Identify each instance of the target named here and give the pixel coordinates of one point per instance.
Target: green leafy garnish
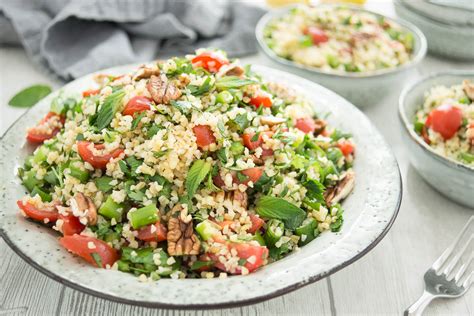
(159, 154)
(278, 208)
(137, 120)
(203, 88)
(184, 107)
(201, 264)
(103, 183)
(97, 259)
(230, 82)
(29, 96)
(107, 110)
(196, 174)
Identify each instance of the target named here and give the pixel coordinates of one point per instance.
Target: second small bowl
(451, 178)
(362, 89)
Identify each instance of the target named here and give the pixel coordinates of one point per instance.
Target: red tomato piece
(81, 246)
(446, 120)
(98, 162)
(306, 125)
(257, 255)
(317, 35)
(267, 153)
(137, 104)
(204, 135)
(261, 100)
(251, 144)
(71, 225)
(31, 211)
(44, 130)
(148, 233)
(210, 61)
(90, 92)
(257, 223)
(253, 174)
(346, 147)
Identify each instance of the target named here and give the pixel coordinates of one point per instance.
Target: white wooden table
(383, 282)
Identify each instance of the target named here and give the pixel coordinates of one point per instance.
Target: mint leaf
(29, 96)
(107, 110)
(230, 82)
(278, 208)
(196, 174)
(198, 90)
(137, 120)
(103, 183)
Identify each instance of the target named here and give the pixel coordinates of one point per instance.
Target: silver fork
(441, 280)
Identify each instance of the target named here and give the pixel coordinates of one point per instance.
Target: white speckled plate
(369, 212)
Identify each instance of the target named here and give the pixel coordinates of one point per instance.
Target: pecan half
(468, 88)
(341, 190)
(85, 206)
(320, 126)
(181, 238)
(145, 72)
(231, 70)
(162, 91)
(272, 120)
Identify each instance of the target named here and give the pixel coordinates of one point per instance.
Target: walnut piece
(181, 238)
(86, 205)
(161, 90)
(341, 190)
(231, 70)
(146, 72)
(468, 88)
(272, 120)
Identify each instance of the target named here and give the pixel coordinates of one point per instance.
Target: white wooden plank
(23, 290)
(312, 299)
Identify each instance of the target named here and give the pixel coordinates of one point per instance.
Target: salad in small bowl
(437, 114)
(355, 52)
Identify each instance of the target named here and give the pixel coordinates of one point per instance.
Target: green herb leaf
(230, 82)
(198, 90)
(97, 258)
(255, 137)
(137, 120)
(222, 155)
(278, 208)
(134, 163)
(182, 106)
(242, 177)
(201, 264)
(159, 154)
(153, 130)
(29, 96)
(107, 110)
(240, 122)
(315, 190)
(196, 174)
(103, 183)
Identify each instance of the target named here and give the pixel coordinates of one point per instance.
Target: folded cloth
(70, 38)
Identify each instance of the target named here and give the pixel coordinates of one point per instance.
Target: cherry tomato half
(85, 247)
(136, 105)
(306, 125)
(257, 223)
(204, 135)
(261, 100)
(317, 35)
(210, 61)
(37, 134)
(71, 225)
(90, 92)
(31, 211)
(98, 162)
(346, 147)
(153, 232)
(446, 120)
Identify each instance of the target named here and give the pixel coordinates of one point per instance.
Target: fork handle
(417, 308)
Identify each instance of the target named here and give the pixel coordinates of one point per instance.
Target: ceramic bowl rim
(402, 115)
(451, 26)
(420, 54)
(207, 306)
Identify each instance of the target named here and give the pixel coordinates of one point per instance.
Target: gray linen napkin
(70, 38)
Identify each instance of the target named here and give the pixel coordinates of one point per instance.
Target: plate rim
(208, 306)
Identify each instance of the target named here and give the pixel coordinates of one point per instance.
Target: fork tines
(456, 253)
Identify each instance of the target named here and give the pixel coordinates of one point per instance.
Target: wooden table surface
(383, 282)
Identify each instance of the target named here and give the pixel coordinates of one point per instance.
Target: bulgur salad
(339, 39)
(445, 121)
(186, 168)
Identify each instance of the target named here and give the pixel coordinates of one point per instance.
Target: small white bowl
(451, 178)
(450, 41)
(362, 89)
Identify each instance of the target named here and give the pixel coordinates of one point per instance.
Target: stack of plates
(447, 24)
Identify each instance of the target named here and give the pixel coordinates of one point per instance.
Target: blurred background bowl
(453, 12)
(455, 41)
(362, 89)
(451, 178)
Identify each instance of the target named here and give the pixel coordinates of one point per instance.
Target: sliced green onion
(111, 209)
(45, 197)
(78, 173)
(236, 148)
(275, 230)
(144, 216)
(224, 97)
(306, 231)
